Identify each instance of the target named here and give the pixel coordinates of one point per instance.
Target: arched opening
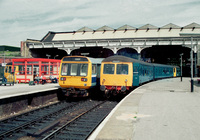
(95, 52)
(129, 52)
(52, 53)
(169, 54)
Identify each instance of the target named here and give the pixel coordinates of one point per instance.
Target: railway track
(83, 125)
(48, 122)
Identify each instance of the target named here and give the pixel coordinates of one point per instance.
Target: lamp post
(48, 55)
(55, 56)
(181, 66)
(191, 55)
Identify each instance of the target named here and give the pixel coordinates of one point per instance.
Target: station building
(149, 43)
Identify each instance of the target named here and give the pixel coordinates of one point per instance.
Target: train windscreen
(76, 69)
(108, 69)
(122, 69)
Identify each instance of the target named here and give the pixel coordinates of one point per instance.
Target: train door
(135, 74)
(94, 74)
(174, 69)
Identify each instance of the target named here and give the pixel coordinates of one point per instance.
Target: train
(113, 75)
(79, 75)
(7, 75)
(119, 74)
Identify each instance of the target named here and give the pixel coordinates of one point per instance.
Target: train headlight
(62, 78)
(84, 79)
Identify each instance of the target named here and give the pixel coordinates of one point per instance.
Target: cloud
(22, 19)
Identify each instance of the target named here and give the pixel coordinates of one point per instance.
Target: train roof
(163, 65)
(121, 58)
(82, 58)
(96, 60)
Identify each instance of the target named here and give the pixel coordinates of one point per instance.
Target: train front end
(75, 76)
(116, 77)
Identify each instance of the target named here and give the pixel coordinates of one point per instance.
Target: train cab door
(174, 71)
(135, 74)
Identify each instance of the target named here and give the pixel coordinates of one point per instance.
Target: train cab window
(83, 69)
(73, 71)
(64, 69)
(122, 69)
(6, 70)
(108, 69)
(10, 69)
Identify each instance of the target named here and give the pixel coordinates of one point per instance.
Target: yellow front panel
(75, 82)
(117, 79)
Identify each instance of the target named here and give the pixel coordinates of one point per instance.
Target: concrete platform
(24, 89)
(160, 110)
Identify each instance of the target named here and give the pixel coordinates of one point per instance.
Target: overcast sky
(33, 19)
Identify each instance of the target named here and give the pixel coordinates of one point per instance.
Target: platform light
(56, 56)
(48, 55)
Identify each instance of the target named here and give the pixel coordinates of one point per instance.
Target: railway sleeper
(70, 137)
(39, 132)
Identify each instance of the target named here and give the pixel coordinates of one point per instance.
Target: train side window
(122, 69)
(98, 70)
(94, 68)
(83, 69)
(108, 69)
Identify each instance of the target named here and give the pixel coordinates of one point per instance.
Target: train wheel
(107, 94)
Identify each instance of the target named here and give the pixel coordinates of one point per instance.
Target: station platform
(160, 110)
(24, 89)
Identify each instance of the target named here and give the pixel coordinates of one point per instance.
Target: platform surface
(160, 110)
(24, 89)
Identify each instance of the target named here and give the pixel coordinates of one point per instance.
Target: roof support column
(139, 52)
(68, 50)
(114, 49)
(196, 60)
(198, 55)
